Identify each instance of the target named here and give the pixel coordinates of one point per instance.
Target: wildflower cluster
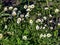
(35, 23)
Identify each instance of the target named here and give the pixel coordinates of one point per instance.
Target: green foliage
(26, 33)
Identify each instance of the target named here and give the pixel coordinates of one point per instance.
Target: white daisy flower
(28, 9)
(41, 35)
(56, 10)
(10, 8)
(24, 37)
(37, 27)
(5, 8)
(18, 20)
(13, 13)
(49, 35)
(51, 28)
(6, 26)
(1, 36)
(25, 6)
(44, 35)
(31, 21)
(38, 20)
(32, 6)
(44, 18)
(46, 8)
(51, 21)
(22, 15)
(15, 9)
(50, 15)
(58, 24)
(43, 27)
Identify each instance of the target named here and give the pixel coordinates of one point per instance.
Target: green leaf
(19, 42)
(56, 33)
(26, 32)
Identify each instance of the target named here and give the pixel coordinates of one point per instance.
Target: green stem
(47, 2)
(1, 12)
(28, 2)
(4, 15)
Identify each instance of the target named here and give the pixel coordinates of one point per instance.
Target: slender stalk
(47, 3)
(48, 10)
(28, 2)
(1, 12)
